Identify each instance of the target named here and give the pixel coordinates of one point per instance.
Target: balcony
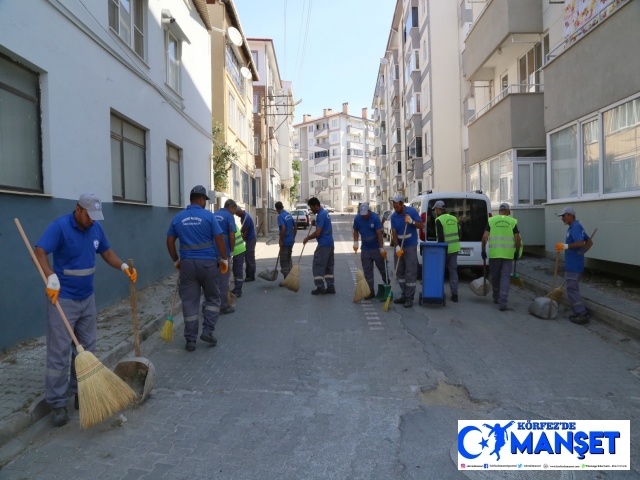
(515, 121)
(356, 188)
(499, 20)
(351, 130)
(355, 145)
(370, 134)
(321, 170)
(352, 173)
(355, 160)
(322, 133)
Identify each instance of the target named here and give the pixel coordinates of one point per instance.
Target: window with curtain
(236, 182)
(20, 153)
(485, 184)
(564, 163)
(173, 61)
(494, 180)
(539, 183)
(622, 148)
(173, 171)
(474, 178)
(245, 188)
(590, 158)
(128, 161)
(506, 178)
(524, 184)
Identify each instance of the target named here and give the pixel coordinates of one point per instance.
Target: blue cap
(200, 190)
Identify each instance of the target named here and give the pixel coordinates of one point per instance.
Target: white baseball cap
(363, 209)
(439, 204)
(92, 204)
(398, 199)
(567, 211)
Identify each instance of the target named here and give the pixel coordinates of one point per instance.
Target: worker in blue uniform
(288, 230)
(407, 253)
(367, 225)
(248, 232)
(227, 222)
(323, 257)
(74, 240)
(202, 258)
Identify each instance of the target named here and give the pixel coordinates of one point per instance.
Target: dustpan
(383, 288)
(270, 274)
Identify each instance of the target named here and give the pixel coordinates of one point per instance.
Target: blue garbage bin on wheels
(434, 256)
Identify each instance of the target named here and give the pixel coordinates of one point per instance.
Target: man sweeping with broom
(367, 224)
(201, 244)
(503, 238)
(228, 226)
(323, 259)
(288, 230)
(74, 240)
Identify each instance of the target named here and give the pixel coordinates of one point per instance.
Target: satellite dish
(235, 36)
(245, 73)
(384, 61)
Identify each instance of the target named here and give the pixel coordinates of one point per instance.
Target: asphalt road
(319, 387)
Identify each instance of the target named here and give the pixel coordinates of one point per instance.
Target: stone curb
(602, 313)
(39, 408)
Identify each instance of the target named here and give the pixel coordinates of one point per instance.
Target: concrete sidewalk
(621, 314)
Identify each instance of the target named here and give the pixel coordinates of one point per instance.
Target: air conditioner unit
(400, 185)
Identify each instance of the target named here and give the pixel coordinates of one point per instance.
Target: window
(236, 181)
(245, 188)
(399, 168)
(242, 126)
(506, 178)
(357, 181)
(504, 82)
(173, 61)
(310, 129)
(529, 69)
(233, 66)
(20, 152)
(311, 142)
(427, 141)
(590, 158)
(311, 156)
(128, 161)
(621, 148)
(336, 181)
(335, 166)
(564, 163)
(173, 171)
(355, 152)
(256, 103)
(419, 147)
(383, 150)
(334, 137)
(334, 123)
(256, 144)
(334, 152)
(417, 95)
(427, 92)
(416, 60)
(254, 56)
(398, 135)
(424, 51)
(126, 18)
(474, 177)
(412, 106)
(232, 112)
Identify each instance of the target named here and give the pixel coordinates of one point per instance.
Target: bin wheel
(419, 299)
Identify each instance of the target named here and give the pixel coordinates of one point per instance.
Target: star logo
(484, 443)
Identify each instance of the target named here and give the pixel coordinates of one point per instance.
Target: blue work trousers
(500, 278)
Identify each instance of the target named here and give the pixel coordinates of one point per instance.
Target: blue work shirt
(397, 223)
(227, 224)
(285, 219)
(368, 229)
(74, 254)
(323, 221)
(574, 257)
(195, 228)
(248, 225)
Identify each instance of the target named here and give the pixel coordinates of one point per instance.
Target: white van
(303, 206)
(472, 209)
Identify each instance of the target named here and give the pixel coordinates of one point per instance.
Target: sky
(344, 42)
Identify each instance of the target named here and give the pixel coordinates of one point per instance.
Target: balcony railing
(602, 13)
(511, 89)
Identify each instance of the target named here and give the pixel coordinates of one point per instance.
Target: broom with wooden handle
(292, 282)
(385, 307)
(100, 391)
(362, 287)
(167, 330)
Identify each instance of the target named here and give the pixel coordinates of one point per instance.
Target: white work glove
(355, 246)
(224, 266)
(53, 288)
(132, 276)
(399, 251)
(383, 252)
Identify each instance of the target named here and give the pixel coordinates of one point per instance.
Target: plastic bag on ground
(477, 287)
(540, 308)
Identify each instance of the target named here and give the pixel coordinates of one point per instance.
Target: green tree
(223, 158)
(296, 180)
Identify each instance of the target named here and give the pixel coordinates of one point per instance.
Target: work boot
(495, 300)
(408, 303)
(580, 319)
(503, 308)
(76, 403)
(331, 290)
(400, 300)
(250, 279)
(191, 346)
(60, 416)
(227, 310)
(237, 294)
(319, 291)
(454, 297)
(209, 338)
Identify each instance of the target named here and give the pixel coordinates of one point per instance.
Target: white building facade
(109, 97)
(338, 155)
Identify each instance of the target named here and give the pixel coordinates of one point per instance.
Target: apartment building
(418, 143)
(131, 122)
(232, 94)
(339, 158)
(274, 107)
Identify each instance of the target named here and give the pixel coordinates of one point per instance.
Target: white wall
(84, 78)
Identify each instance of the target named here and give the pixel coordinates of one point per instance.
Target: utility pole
(265, 159)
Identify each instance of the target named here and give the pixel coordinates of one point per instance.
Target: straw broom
(385, 308)
(100, 391)
(362, 287)
(292, 282)
(515, 279)
(167, 330)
